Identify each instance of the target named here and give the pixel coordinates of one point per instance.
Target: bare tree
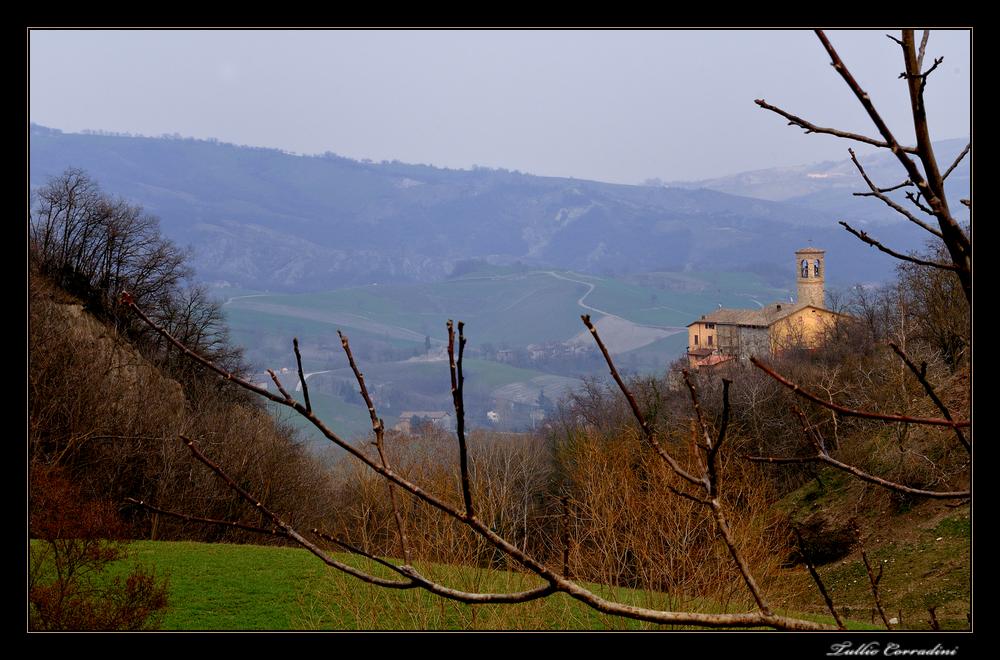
(952, 260)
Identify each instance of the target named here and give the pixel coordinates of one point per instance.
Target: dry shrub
(629, 529)
(75, 540)
(509, 475)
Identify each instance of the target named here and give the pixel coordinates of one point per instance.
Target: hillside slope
(265, 219)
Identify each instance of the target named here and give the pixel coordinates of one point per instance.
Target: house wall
(707, 336)
(742, 341)
(806, 327)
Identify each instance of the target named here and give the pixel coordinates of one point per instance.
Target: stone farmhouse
(736, 334)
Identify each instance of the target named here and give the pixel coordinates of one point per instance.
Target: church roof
(810, 250)
(762, 318)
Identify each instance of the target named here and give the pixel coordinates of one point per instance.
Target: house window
(710, 326)
(805, 268)
(710, 340)
(696, 340)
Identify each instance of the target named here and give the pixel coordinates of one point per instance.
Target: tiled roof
(752, 317)
(810, 250)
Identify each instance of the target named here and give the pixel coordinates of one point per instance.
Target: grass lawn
(241, 587)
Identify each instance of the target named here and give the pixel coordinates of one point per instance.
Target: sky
(616, 106)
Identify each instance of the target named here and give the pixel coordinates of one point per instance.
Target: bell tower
(810, 266)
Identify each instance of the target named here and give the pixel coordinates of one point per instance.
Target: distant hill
(265, 219)
(827, 186)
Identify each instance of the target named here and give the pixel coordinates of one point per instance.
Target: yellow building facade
(736, 334)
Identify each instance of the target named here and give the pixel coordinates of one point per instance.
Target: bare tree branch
(921, 375)
(813, 128)
(646, 429)
(301, 540)
(874, 580)
(958, 160)
(302, 376)
(564, 501)
(902, 257)
(378, 427)
(277, 383)
(781, 460)
(915, 200)
(208, 521)
(932, 187)
(923, 49)
(457, 384)
(439, 589)
(357, 551)
(870, 478)
(878, 192)
(817, 580)
(850, 412)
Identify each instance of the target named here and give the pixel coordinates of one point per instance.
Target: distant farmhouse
(736, 334)
(410, 421)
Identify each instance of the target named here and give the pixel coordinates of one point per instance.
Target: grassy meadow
(244, 587)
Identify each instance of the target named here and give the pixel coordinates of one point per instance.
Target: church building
(737, 334)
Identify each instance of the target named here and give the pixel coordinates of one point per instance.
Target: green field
(388, 325)
(512, 309)
(242, 587)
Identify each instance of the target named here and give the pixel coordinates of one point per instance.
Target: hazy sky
(606, 105)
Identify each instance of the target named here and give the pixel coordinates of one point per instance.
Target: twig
(301, 540)
(646, 429)
(813, 128)
(817, 580)
(688, 496)
(903, 257)
(713, 453)
(921, 375)
(781, 460)
(439, 589)
(355, 550)
(861, 474)
(958, 160)
(923, 48)
(712, 487)
(457, 383)
(564, 501)
(207, 521)
(277, 382)
(850, 412)
(877, 192)
(378, 427)
(915, 200)
(727, 537)
(864, 476)
(874, 580)
(302, 377)
(699, 419)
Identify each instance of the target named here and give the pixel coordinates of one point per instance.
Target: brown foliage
(74, 541)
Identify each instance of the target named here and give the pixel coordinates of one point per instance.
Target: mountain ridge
(266, 219)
